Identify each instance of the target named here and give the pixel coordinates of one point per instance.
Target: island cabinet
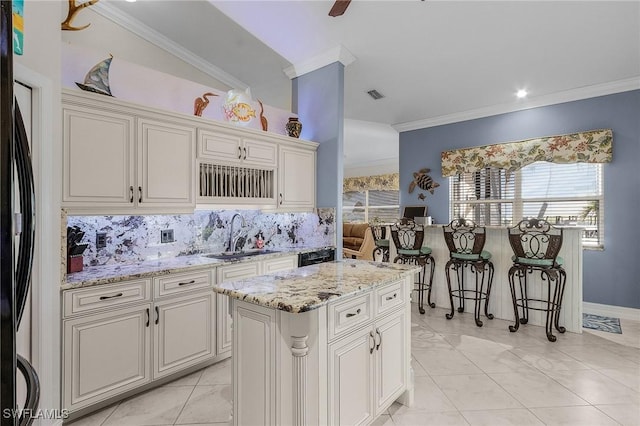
(333, 359)
(122, 336)
(237, 272)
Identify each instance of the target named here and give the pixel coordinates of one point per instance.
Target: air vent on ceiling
(375, 94)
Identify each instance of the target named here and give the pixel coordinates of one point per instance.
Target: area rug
(600, 323)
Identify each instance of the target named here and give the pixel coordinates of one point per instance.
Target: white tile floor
(465, 375)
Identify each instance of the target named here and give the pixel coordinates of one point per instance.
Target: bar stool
(381, 241)
(536, 245)
(408, 237)
(465, 241)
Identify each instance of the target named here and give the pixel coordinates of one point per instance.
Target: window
(562, 194)
(371, 206)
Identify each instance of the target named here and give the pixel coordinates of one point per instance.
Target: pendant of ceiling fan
(339, 7)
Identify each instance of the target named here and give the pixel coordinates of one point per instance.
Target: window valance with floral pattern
(594, 146)
(388, 182)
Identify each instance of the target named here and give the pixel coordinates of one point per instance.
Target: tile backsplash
(132, 239)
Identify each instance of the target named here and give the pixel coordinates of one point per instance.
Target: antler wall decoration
(74, 8)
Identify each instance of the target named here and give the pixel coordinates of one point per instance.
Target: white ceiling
(431, 59)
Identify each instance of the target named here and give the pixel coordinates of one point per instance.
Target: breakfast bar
(322, 344)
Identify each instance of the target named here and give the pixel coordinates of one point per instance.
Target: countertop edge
(160, 270)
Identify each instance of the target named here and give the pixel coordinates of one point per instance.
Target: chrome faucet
(231, 246)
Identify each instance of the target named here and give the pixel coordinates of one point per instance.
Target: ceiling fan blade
(339, 7)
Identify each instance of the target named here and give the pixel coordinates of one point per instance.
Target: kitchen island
(322, 344)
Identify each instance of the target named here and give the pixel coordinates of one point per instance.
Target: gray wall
(610, 277)
(318, 99)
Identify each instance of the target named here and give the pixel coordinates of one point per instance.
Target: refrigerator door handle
(33, 390)
(27, 207)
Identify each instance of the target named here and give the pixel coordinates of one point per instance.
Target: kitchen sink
(237, 254)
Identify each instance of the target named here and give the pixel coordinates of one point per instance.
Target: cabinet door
(391, 359)
(259, 152)
(105, 355)
(351, 379)
(98, 158)
(224, 323)
(297, 178)
(184, 333)
(278, 264)
(219, 146)
(166, 165)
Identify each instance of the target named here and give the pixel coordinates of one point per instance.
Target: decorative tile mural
(132, 239)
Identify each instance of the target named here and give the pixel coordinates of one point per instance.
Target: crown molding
(152, 36)
(335, 54)
(546, 100)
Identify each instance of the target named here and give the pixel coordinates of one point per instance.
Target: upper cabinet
(297, 178)
(232, 148)
(122, 158)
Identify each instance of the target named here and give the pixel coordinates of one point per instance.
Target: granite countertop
(307, 288)
(97, 275)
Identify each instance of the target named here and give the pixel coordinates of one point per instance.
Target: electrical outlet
(166, 236)
(101, 240)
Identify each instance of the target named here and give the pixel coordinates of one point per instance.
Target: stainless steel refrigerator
(15, 262)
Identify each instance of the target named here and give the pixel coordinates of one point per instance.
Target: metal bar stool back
(381, 241)
(408, 237)
(536, 245)
(465, 241)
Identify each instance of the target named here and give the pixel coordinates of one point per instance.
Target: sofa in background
(357, 241)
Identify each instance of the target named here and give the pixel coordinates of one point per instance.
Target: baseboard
(611, 311)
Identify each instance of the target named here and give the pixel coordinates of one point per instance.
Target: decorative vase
(294, 127)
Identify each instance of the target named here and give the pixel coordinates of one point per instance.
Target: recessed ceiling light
(131, 1)
(521, 93)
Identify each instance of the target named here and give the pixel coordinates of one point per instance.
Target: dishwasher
(317, 256)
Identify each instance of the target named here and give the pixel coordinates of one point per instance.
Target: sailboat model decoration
(97, 79)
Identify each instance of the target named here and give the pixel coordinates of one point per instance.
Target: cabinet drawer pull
(111, 297)
(157, 315)
(187, 282)
(131, 194)
(379, 339)
(245, 153)
(280, 198)
(392, 297)
(140, 194)
(349, 315)
(239, 153)
(147, 317)
(374, 342)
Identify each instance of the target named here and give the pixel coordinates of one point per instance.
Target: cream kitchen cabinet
(119, 158)
(105, 354)
(184, 332)
(240, 271)
(367, 367)
(122, 336)
(235, 147)
(296, 178)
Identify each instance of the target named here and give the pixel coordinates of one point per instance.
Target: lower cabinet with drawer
(118, 337)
